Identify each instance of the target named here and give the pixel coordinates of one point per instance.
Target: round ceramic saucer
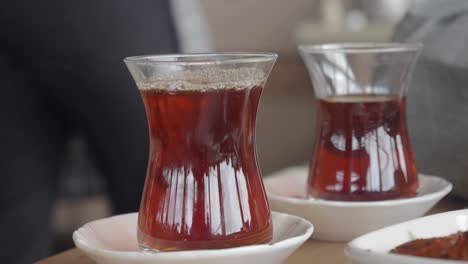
(113, 240)
(375, 247)
(343, 221)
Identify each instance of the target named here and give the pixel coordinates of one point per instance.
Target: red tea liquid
(203, 188)
(362, 150)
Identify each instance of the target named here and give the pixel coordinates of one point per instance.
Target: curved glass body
(203, 188)
(362, 149)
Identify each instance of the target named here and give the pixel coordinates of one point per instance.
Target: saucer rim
(189, 254)
(445, 188)
(356, 253)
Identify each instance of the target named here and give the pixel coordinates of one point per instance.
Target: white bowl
(343, 221)
(113, 240)
(373, 248)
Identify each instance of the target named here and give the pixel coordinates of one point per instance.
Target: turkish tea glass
(362, 149)
(203, 187)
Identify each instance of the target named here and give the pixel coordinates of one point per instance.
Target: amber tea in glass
(362, 148)
(203, 188)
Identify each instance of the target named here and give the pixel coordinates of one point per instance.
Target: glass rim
(361, 47)
(218, 58)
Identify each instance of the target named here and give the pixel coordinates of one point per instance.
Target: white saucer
(343, 221)
(373, 248)
(113, 240)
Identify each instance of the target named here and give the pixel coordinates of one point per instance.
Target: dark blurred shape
(438, 94)
(61, 70)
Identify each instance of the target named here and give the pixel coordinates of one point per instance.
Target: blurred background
(285, 128)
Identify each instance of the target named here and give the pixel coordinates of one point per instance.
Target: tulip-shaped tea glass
(203, 186)
(362, 149)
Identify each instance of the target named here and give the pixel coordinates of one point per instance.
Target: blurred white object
(191, 26)
(356, 20)
(343, 221)
(114, 240)
(373, 248)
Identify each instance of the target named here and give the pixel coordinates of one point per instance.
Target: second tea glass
(362, 148)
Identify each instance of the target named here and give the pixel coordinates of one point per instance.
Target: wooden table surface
(319, 251)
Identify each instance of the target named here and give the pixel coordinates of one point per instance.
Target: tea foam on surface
(205, 79)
